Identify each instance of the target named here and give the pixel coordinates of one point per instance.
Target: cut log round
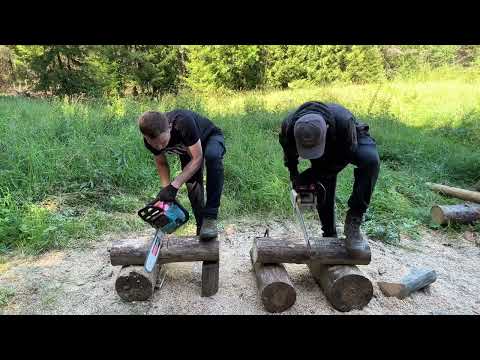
(459, 193)
(462, 213)
(345, 287)
(274, 286)
(323, 250)
(417, 279)
(135, 284)
(175, 249)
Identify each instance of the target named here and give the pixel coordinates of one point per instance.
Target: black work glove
(293, 176)
(168, 193)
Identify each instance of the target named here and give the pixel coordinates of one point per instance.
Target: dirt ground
(82, 281)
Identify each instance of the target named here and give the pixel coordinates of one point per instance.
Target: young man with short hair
(196, 140)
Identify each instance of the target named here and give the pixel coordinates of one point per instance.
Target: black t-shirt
(187, 128)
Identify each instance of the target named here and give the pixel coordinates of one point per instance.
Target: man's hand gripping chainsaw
(166, 217)
(306, 197)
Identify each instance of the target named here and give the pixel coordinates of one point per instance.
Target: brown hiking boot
(209, 229)
(354, 242)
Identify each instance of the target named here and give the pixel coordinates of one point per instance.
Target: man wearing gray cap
(331, 138)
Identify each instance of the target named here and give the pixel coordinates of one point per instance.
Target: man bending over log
(196, 140)
(331, 138)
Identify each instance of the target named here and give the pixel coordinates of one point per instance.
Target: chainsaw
(165, 217)
(305, 198)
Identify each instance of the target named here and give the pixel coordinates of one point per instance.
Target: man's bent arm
(163, 169)
(193, 165)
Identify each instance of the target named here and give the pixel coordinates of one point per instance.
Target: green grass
(71, 171)
(5, 295)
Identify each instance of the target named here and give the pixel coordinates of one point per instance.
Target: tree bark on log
(467, 195)
(210, 274)
(345, 287)
(135, 284)
(175, 249)
(323, 250)
(415, 280)
(462, 213)
(274, 286)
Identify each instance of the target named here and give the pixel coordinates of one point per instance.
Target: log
(175, 249)
(345, 287)
(462, 213)
(210, 273)
(274, 286)
(467, 195)
(135, 284)
(415, 280)
(323, 250)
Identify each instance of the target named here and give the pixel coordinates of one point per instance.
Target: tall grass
(72, 170)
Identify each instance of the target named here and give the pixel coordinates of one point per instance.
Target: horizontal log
(459, 193)
(461, 213)
(274, 286)
(415, 280)
(322, 250)
(345, 287)
(175, 249)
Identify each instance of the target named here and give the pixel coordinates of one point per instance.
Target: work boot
(354, 241)
(209, 229)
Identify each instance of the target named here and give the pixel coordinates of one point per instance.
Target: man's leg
(366, 174)
(195, 193)
(214, 152)
(325, 208)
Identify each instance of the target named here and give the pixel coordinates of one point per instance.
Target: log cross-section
(415, 280)
(135, 284)
(345, 287)
(462, 213)
(274, 286)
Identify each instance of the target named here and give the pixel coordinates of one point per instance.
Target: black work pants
(213, 152)
(367, 164)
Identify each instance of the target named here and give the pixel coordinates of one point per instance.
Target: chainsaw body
(304, 198)
(167, 217)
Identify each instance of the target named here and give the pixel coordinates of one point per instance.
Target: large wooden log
(462, 213)
(175, 249)
(345, 287)
(323, 250)
(135, 284)
(459, 193)
(210, 274)
(415, 280)
(274, 286)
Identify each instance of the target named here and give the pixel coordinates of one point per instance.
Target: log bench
(133, 283)
(329, 262)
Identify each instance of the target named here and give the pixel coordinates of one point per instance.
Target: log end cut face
(351, 292)
(278, 297)
(134, 287)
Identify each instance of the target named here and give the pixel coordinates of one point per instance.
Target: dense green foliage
(152, 70)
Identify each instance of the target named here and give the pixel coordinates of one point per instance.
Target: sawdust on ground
(77, 281)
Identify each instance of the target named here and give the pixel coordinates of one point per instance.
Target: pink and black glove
(168, 193)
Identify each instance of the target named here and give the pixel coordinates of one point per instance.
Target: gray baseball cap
(310, 132)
